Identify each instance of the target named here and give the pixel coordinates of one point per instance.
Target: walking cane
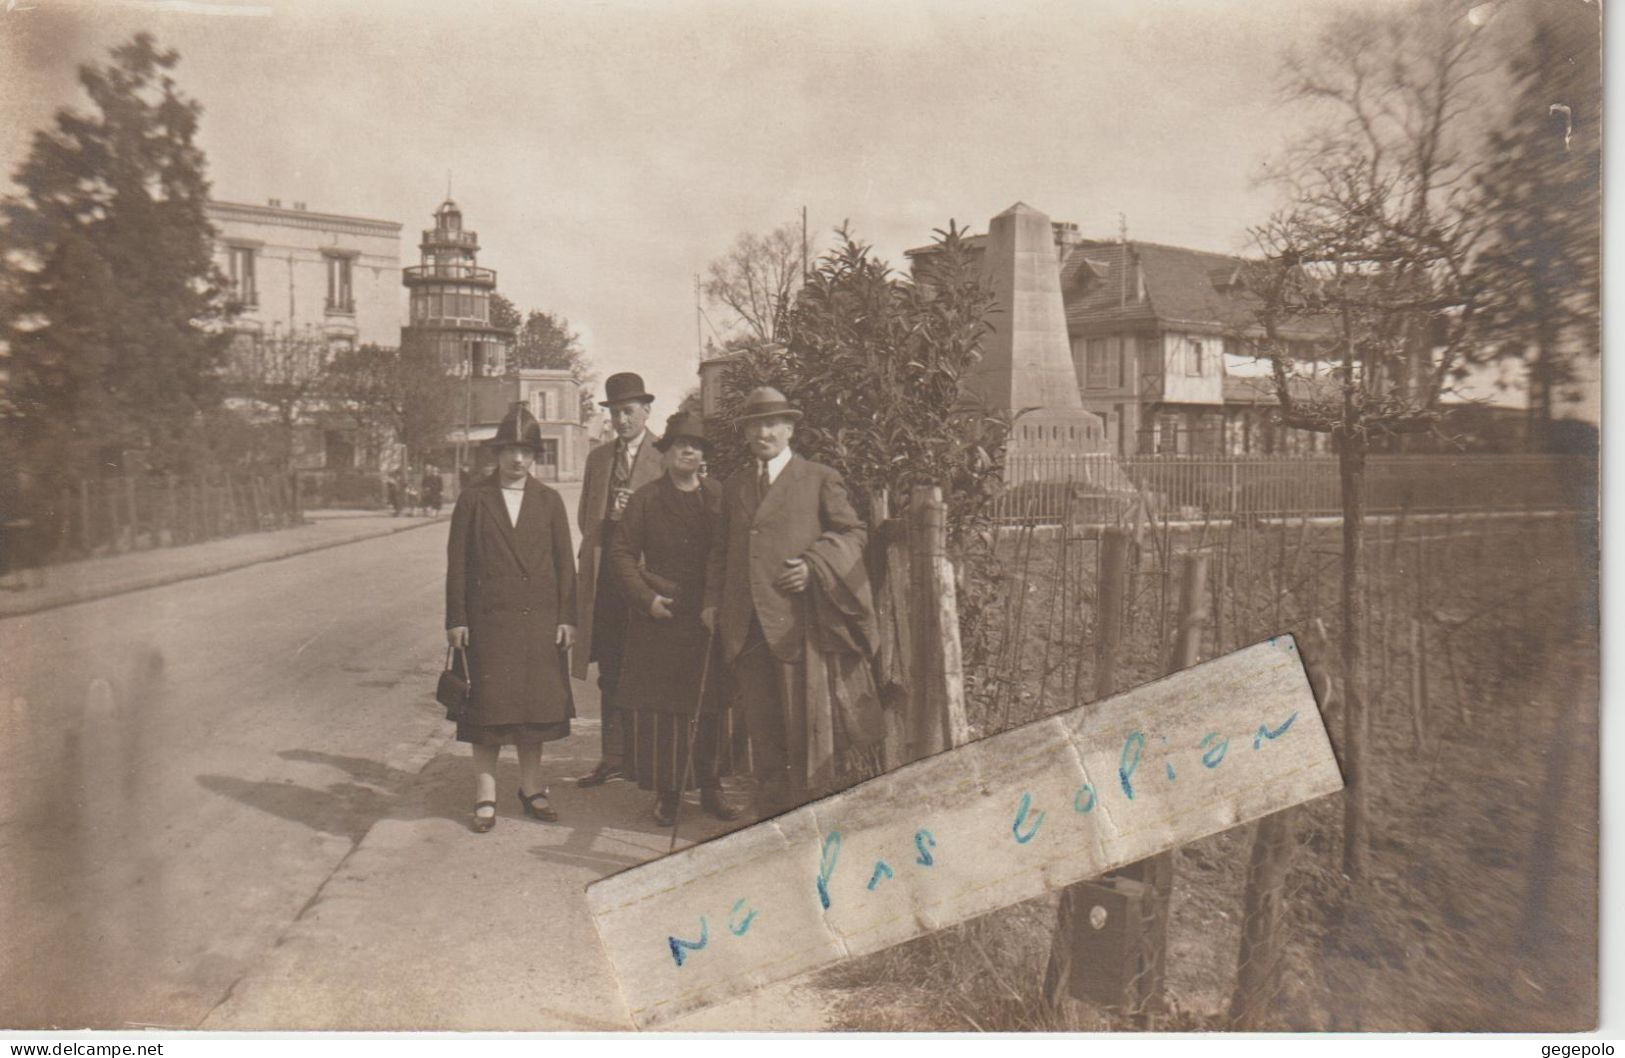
(693, 732)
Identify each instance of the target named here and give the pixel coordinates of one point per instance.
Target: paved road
(232, 803)
(184, 766)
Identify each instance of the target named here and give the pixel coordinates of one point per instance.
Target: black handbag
(455, 687)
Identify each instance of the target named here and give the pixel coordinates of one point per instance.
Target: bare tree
(282, 374)
(1366, 268)
(756, 282)
(403, 393)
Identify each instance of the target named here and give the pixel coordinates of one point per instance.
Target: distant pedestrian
(659, 557)
(432, 487)
(511, 600)
(397, 492)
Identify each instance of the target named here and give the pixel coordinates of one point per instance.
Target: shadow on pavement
(344, 809)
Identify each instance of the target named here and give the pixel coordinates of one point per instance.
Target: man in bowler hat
(614, 472)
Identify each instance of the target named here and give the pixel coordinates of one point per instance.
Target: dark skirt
(660, 750)
(512, 734)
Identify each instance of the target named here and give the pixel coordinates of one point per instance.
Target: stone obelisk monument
(1027, 360)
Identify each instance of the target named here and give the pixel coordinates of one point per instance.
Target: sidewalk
(428, 926)
(98, 578)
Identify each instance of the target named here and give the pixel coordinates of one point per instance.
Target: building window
(1193, 363)
(1172, 437)
(240, 265)
(340, 295)
(1094, 362)
(1119, 358)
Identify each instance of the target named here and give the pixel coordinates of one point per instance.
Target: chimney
(275, 203)
(300, 206)
(1066, 236)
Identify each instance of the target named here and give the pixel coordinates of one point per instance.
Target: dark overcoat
(646, 467)
(663, 545)
(512, 586)
(806, 503)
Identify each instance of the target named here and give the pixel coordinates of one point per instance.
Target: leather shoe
(605, 771)
(666, 809)
(546, 812)
(713, 801)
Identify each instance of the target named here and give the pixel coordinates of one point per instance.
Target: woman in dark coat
(659, 558)
(511, 600)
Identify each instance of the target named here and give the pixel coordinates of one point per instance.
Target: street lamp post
(468, 408)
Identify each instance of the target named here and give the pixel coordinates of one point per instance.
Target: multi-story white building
(294, 271)
(307, 284)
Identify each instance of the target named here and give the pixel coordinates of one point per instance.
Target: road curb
(160, 580)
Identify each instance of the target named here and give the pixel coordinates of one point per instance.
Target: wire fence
(1257, 928)
(1100, 488)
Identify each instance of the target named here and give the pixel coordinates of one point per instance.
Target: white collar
(633, 445)
(776, 465)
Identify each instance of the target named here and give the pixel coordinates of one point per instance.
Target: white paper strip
(968, 831)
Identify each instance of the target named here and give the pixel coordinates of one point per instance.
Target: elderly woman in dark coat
(659, 558)
(511, 600)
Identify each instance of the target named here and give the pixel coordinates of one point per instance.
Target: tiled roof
(1181, 285)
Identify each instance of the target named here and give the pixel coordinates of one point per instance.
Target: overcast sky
(605, 151)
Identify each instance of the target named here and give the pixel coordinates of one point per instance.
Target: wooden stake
(113, 519)
(1114, 551)
(134, 512)
(86, 539)
(1418, 694)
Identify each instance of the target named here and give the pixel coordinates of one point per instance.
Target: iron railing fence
(1103, 488)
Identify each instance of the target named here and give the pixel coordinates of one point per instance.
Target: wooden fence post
(1157, 872)
(171, 513)
(1258, 965)
(256, 512)
(1109, 608)
(889, 568)
(134, 509)
(86, 536)
(938, 704)
(115, 534)
(1187, 649)
(1068, 952)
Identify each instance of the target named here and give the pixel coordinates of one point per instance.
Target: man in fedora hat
(784, 585)
(614, 472)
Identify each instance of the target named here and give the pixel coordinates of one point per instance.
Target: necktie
(620, 477)
(762, 480)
